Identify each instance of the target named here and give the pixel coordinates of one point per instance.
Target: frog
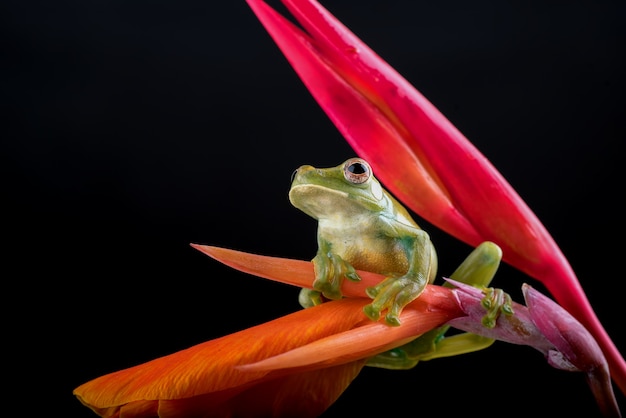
(361, 226)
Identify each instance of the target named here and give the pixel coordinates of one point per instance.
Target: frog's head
(348, 189)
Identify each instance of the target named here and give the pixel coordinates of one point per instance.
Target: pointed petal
(356, 116)
(300, 273)
(304, 395)
(421, 157)
(576, 344)
(296, 272)
(209, 369)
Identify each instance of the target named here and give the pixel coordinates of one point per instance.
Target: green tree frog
(361, 226)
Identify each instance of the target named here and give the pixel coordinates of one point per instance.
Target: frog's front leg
(478, 269)
(394, 293)
(330, 271)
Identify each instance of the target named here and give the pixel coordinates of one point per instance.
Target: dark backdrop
(136, 128)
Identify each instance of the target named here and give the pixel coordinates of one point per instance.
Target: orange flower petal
(208, 370)
(296, 272)
(323, 348)
(362, 342)
(300, 273)
(304, 395)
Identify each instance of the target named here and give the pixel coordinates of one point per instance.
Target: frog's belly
(376, 255)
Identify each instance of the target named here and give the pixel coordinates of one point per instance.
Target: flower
(206, 380)
(421, 157)
(203, 380)
(298, 365)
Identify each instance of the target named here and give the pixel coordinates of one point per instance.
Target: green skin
(361, 226)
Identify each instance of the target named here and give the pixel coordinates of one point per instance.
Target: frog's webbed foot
(429, 346)
(392, 295)
(408, 355)
(330, 271)
(496, 301)
(309, 298)
(394, 359)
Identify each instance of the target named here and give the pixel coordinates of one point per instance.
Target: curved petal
(365, 341)
(421, 157)
(544, 325)
(575, 343)
(305, 395)
(335, 338)
(354, 113)
(208, 370)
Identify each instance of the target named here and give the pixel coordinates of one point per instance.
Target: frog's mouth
(324, 202)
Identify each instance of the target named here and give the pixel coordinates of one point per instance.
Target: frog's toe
(372, 312)
(353, 275)
(309, 298)
(495, 301)
(373, 291)
(394, 359)
(393, 314)
(393, 294)
(333, 294)
(326, 288)
(392, 319)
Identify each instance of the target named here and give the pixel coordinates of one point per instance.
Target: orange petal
(300, 273)
(208, 369)
(303, 395)
(296, 272)
(362, 342)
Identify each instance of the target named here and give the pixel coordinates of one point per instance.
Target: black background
(136, 128)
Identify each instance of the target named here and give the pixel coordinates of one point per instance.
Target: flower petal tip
(568, 335)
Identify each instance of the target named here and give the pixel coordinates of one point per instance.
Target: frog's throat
(315, 200)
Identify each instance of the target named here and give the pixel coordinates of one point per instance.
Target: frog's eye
(357, 171)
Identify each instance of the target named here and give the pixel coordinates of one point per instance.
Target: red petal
(356, 116)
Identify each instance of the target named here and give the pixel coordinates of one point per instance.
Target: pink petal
(575, 343)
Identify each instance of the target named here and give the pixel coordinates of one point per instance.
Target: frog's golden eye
(357, 171)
